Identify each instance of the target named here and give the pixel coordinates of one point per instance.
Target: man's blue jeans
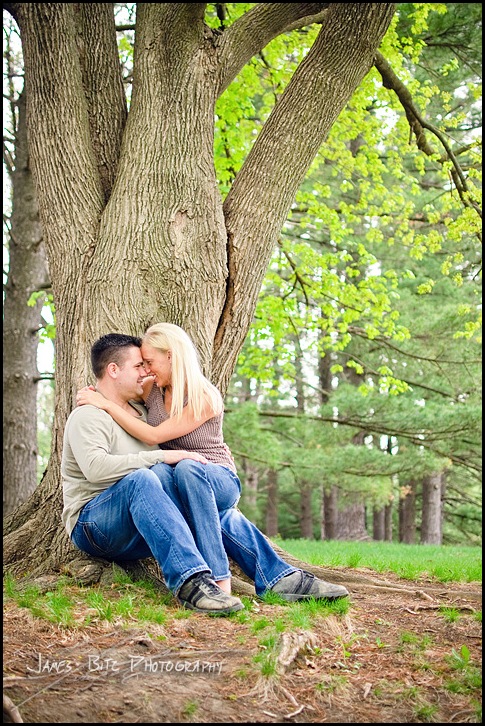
(134, 519)
(207, 495)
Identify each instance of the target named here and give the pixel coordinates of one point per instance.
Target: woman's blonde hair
(188, 382)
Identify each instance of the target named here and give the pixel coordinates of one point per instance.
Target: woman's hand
(173, 457)
(89, 395)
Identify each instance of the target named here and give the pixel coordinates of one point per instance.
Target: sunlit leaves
(48, 332)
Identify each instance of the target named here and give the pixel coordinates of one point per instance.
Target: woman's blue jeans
(207, 495)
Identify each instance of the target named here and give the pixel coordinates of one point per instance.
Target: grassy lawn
(445, 563)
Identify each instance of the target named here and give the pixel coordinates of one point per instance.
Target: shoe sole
(293, 597)
(223, 611)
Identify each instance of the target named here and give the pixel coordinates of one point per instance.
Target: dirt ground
(389, 659)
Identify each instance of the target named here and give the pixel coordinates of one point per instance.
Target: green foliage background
(375, 281)
(378, 269)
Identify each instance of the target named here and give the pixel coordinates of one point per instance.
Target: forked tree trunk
(151, 239)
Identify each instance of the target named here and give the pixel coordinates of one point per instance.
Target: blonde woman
(185, 411)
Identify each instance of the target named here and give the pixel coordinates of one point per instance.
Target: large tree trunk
(135, 228)
(27, 273)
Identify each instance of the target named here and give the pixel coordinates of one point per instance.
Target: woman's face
(158, 364)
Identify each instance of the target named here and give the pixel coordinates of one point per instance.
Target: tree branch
(418, 126)
(13, 9)
(381, 428)
(250, 33)
(103, 86)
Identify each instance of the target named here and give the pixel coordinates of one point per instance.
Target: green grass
(71, 605)
(445, 563)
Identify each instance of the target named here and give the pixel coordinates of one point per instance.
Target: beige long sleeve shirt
(97, 453)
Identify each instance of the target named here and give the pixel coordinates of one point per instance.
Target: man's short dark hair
(111, 348)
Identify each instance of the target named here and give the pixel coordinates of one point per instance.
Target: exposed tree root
(11, 714)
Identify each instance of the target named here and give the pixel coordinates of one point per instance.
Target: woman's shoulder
(150, 390)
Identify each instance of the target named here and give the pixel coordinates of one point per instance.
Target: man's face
(131, 374)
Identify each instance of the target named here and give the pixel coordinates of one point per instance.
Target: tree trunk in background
(351, 524)
(431, 516)
(27, 273)
(342, 518)
(251, 483)
(388, 523)
(330, 512)
(272, 504)
(323, 533)
(324, 376)
(407, 513)
(351, 520)
(327, 505)
(379, 524)
(306, 514)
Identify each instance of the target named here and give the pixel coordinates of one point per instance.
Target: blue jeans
(134, 519)
(251, 550)
(207, 495)
(202, 492)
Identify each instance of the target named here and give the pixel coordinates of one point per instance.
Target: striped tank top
(207, 439)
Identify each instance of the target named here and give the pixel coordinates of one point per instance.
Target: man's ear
(112, 370)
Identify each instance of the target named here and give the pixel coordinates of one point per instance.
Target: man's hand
(173, 457)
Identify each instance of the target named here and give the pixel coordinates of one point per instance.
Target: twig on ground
(438, 607)
(11, 710)
(295, 713)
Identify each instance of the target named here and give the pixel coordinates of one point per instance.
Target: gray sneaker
(201, 593)
(302, 585)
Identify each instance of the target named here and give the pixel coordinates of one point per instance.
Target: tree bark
(388, 522)
(330, 513)
(378, 524)
(407, 513)
(251, 481)
(431, 514)
(21, 323)
(272, 504)
(351, 520)
(306, 513)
